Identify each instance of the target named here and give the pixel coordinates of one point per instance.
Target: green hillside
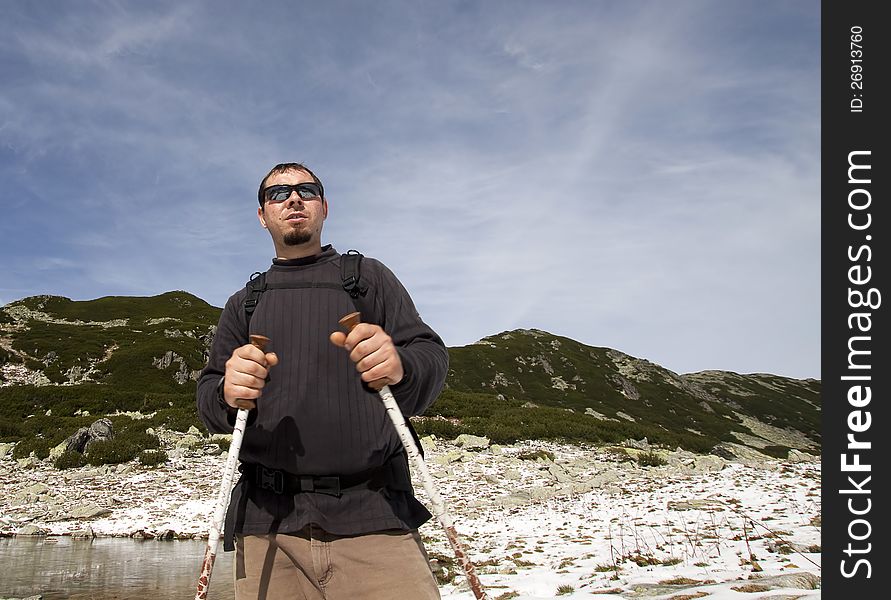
(525, 375)
(61, 358)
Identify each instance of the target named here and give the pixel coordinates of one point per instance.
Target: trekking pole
(439, 508)
(219, 514)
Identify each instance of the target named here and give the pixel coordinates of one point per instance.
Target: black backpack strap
(351, 274)
(255, 287)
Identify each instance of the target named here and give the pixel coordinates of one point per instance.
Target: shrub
(70, 460)
(153, 458)
(39, 445)
(651, 459)
(111, 452)
(130, 440)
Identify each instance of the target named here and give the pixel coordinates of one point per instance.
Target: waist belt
(282, 482)
(393, 474)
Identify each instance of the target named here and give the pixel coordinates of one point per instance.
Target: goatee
(297, 238)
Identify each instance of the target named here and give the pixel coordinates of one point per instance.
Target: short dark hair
(284, 168)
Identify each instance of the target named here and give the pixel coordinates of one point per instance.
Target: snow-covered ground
(539, 519)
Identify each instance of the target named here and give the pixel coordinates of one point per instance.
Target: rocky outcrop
(182, 374)
(80, 440)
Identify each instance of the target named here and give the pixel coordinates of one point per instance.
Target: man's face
(295, 224)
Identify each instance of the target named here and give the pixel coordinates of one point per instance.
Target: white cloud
(640, 176)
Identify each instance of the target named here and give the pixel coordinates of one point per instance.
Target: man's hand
(246, 372)
(373, 352)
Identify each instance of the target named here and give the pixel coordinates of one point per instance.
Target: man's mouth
(295, 217)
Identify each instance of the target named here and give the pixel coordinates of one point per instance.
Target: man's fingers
(379, 371)
(245, 404)
(271, 359)
(245, 386)
(338, 338)
(364, 362)
(247, 368)
(362, 331)
(373, 352)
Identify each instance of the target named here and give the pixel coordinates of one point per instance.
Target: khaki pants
(316, 565)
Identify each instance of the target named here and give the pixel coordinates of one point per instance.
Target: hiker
(324, 506)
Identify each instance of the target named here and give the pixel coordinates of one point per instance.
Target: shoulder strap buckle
(350, 273)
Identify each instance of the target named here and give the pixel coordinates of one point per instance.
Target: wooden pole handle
(260, 341)
(349, 323)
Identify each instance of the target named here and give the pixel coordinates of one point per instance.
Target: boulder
(739, 453)
(30, 530)
(428, 443)
(88, 511)
(80, 440)
(6, 450)
(472, 442)
(643, 444)
(797, 456)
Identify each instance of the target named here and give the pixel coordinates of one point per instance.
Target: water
(109, 569)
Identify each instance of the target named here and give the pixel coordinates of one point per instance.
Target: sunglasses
(280, 193)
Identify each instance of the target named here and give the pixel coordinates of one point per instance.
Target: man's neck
(301, 251)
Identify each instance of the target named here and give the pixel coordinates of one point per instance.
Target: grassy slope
(519, 384)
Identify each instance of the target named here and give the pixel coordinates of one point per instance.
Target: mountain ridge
(506, 385)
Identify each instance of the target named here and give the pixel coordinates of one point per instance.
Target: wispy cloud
(643, 176)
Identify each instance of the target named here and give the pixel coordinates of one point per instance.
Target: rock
(30, 462)
(76, 442)
(643, 444)
(101, 430)
(83, 534)
(739, 453)
(695, 504)
(708, 464)
(797, 456)
(88, 511)
(518, 498)
(30, 530)
(6, 450)
(558, 473)
(194, 431)
(189, 441)
(450, 457)
(472, 442)
(80, 440)
(182, 374)
(512, 475)
(801, 581)
(428, 443)
(34, 489)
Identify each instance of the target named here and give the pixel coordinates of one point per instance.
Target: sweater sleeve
(231, 333)
(425, 359)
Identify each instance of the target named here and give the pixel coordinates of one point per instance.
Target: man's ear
(261, 216)
(325, 208)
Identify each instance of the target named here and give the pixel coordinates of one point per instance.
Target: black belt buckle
(320, 485)
(271, 479)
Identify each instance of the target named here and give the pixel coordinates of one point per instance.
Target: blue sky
(632, 174)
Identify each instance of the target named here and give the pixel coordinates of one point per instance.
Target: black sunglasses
(280, 193)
